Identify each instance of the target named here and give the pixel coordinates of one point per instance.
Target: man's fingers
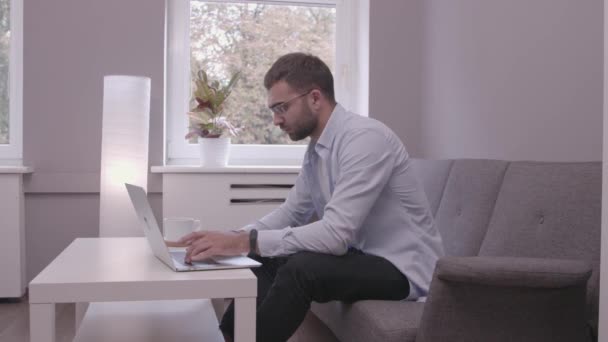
(185, 239)
(204, 245)
(206, 254)
(188, 239)
(196, 249)
(175, 244)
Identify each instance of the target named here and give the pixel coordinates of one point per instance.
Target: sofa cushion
(550, 210)
(433, 174)
(371, 320)
(467, 204)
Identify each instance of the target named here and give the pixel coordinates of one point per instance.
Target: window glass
(5, 35)
(248, 37)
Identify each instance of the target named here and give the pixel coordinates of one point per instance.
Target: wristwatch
(253, 241)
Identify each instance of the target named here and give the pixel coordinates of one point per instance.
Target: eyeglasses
(282, 107)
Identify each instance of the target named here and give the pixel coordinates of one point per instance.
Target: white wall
(395, 75)
(68, 47)
(516, 79)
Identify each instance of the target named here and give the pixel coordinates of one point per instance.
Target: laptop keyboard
(179, 256)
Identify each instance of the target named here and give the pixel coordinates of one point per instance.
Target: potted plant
(208, 122)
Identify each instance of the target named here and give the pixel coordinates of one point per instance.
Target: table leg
(81, 309)
(42, 322)
(244, 319)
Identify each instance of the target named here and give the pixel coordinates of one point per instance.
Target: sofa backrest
(467, 204)
(522, 209)
(433, 174)
(549, 210)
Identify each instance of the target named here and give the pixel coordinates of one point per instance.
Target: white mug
(175, 228)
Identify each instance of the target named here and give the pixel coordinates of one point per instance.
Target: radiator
(224, 201)
(12, 230)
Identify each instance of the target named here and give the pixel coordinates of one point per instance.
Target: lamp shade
(124, 152)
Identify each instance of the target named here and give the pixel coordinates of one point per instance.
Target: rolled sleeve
(256, 225)
(270, 242)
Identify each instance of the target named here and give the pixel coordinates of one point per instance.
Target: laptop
(175, 258)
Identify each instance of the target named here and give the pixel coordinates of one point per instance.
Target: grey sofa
(523, 247)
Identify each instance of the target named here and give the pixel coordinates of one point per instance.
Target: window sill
(15, 169)
(227, 169)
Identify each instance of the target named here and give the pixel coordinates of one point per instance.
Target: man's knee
(310, 274)
(302, 261)
(305, 266)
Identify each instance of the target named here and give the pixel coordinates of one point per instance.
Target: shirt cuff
(250, 226)
(270, 242)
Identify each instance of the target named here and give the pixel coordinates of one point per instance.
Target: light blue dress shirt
(360, 182)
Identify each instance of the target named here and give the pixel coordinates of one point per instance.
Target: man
(375, 237)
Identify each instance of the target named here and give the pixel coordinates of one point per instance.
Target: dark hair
(302, 72)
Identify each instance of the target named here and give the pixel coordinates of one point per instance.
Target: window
(225, 36)
(11, 72)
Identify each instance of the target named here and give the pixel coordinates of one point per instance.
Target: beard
(304, 126)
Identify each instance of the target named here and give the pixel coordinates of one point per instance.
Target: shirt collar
(326, 140)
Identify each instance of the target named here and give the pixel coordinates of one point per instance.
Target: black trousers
(287, 286)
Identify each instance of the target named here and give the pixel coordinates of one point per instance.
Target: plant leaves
(206, 118)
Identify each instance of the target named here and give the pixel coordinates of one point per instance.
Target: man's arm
(295, 211)
(366, 164)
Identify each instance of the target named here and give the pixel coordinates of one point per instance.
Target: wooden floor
(14, 324)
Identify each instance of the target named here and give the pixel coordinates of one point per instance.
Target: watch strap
(253, 241)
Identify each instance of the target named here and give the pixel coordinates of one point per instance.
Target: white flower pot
(214, 151)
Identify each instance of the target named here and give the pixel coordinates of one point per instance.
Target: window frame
(11, 153)
(350, 81)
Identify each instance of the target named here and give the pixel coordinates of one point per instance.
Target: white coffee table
(124, 269)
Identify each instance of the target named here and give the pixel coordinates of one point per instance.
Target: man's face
(291, 111)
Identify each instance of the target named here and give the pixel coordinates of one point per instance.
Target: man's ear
(316, 97)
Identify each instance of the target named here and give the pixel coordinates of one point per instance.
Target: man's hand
(175, 244)
(206, 244)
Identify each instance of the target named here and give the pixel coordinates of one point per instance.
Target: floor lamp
(124, 151)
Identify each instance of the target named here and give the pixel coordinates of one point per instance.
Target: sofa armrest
(514, 271)
(503, 299)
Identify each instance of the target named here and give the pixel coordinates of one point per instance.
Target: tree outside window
(5, 34)
(226, 37)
